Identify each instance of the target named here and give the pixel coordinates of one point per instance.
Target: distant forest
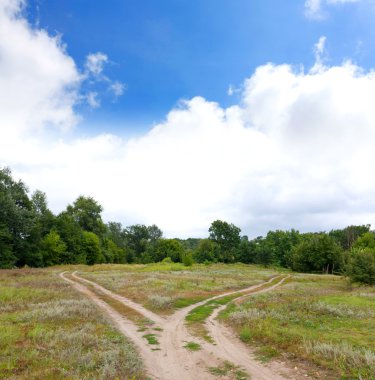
(30, 234)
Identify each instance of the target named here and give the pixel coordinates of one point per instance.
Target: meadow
(321, 320)
(165, 287)
(50, 331)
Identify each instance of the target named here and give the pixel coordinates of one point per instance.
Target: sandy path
(126, 301)
(237, 352)
(173, 361)
(127, 328)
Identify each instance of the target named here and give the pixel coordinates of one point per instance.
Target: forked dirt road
(171, 361)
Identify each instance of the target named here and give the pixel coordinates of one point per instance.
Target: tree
(316, 252)
(91, 248)
(264, 251)
(112, 252)
(280, 244)
(347, 237)
(168, 248)
(52, 248)
(72, 235)
(367, 240)
(206, 251)
(247, 251)
(141, 241)
(116, 233)
(361, 267)
(227, 236)
(7, 258)
(17, 219)
(87, 213)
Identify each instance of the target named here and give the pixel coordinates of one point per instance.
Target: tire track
(172, 361)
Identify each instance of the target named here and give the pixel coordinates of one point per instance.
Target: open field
(183, 322)
(49, 331)
(318, 319)
(164, 288)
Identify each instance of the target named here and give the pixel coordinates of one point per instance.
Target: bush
(187, 259)
(361, 267)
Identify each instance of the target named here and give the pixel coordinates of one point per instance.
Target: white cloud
(117, 88)
(297, 151)
(94, 67)
(92, 99)
(95, 63)
(38, 80)
(314, 9)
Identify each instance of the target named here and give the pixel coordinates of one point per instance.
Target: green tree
(87, 213)
(347, 236)
(206, 251)
(7, 258)
(367, 240)
(247, 251)
(112, 252)
(361, 266)
(91, 248)
(279, 245)
(17, 218)
(53, 249)
(141, 241)
(227, 237)
(171, 248)
(72, 235)
(315, 253)
(264, 251)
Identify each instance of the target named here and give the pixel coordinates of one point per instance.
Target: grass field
(163, 288)
(49, 331)
(315, 318)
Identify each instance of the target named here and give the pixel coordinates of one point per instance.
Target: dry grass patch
(163, 288)
(49, 331)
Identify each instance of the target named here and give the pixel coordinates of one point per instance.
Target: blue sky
(168, 50)
(129, 102)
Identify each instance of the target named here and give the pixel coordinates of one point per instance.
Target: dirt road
(171, 360)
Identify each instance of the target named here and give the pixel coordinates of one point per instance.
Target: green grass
(192, 346)
(151, 339)
(49, 331)
(197, 317)
(228, 369)
(318, 320)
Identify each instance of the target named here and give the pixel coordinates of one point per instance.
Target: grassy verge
(317, 319)
(197, 317)
(49, 331)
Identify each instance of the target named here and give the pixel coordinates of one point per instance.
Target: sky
(178, 113)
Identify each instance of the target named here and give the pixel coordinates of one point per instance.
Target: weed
(228, 368)
(151, 339)
(192, 346)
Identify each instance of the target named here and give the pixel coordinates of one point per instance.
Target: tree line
(30, 234)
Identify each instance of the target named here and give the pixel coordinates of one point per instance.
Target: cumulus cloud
(295, 152)
(38, 80)
(314, 9)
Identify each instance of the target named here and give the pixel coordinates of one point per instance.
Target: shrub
(361, 267)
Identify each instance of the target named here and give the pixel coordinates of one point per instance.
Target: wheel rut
(170, 360)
